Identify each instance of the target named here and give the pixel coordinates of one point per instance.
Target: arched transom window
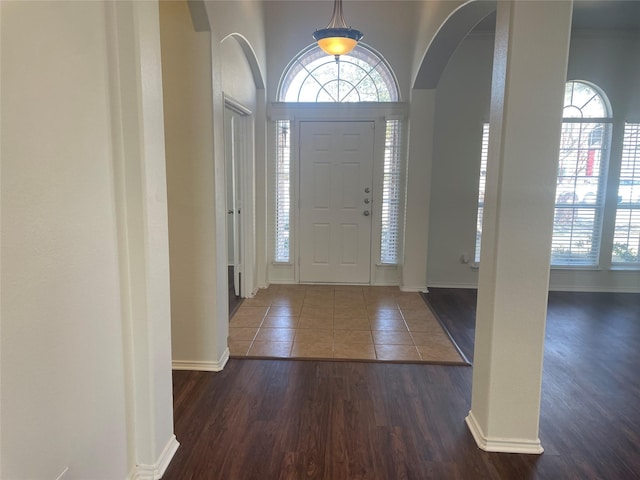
(360, 76)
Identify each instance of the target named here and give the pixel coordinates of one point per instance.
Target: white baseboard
(453, 285)
(574, 288)
(202, 366)
(552, 288)
(418, 288)
(156, 471)
(501, 445)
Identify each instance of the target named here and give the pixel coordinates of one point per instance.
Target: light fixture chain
(337, 18)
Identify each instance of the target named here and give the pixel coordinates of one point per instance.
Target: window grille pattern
(481, 188)
(360, 76)
(391, 183)
(583, 162)
(626, 237)
(282, 215)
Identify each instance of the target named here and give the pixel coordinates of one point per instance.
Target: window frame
(599, 205)
(392, 195)
(570, 208)
(630, 173)
(482, 179)
(313, 54)
(282, 206)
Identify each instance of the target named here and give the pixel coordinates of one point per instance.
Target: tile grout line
(355, 302)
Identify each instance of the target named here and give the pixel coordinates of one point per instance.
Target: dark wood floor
(269, 419)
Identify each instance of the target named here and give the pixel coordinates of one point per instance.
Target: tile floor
(339, 322)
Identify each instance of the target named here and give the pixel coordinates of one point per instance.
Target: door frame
(246, 224)
(375, 217)
(376, 199)
(379, 113)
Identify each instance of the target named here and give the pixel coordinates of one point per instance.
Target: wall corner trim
(202, 366)
(156, 471)
(501, 445)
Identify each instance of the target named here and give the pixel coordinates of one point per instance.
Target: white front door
(336, 171)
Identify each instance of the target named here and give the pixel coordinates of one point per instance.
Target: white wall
(462, 106)
(62, 354)
(141, 203)
(238, 85)
(186, 70)
(429, 17)
(291, 24)
(74, 344)
(195, 65)
(243, 18)
(289, 29)
(241, 73)
(237, 78)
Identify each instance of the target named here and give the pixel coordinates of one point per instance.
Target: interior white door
(336, 172)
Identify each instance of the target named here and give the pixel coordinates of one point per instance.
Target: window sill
(625, 268)
(614, 268)
(585, 268)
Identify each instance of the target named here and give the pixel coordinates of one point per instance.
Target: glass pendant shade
(337, 39)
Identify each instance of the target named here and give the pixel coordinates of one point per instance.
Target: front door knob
(366, 200)
(366, 213)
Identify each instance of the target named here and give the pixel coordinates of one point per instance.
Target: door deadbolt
(366, 200)
(366, 213)
(367, 190)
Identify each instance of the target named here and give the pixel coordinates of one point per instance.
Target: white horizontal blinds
(481, 188)
(626, 237)
(579, 194)
(389, 242)
(283, 191)
(584, 153)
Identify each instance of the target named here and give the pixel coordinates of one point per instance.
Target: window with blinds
(390, 222)
(481, 187)
(282, 189)
(583, 162)
(626, 237)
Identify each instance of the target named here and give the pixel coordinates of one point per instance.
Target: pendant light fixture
(337, 39)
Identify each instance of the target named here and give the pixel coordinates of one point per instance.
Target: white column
(194, 126)
(261, 199)
(529, 74)
(221, 326)
(416, 232)
(141, 205)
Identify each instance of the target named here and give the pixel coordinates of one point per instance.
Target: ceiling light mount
(337, 39)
